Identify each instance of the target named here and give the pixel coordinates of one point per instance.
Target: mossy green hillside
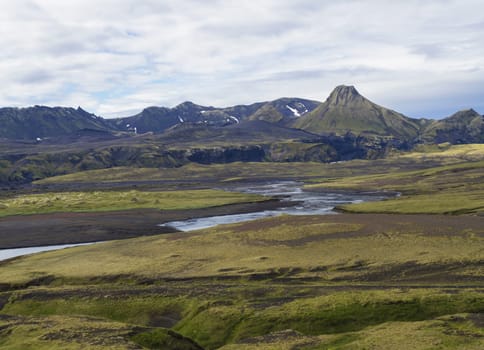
(308, 282)
(233, 313)
(461, 331)
(197, 172)
(452, 189)
(332, 278)
(334, 247)
(60, 332)
(346, 110)
(92, 201)
(456, 202)
(423, 158)
(456, 188)
(447, 177)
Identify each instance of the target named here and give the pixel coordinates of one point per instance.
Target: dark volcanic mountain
(39, 121)
(159, 119)
(345, 110)
(284, 111)
(462, 127)
(151, 118)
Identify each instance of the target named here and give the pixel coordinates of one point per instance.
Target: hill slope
(40, 121)
(249, 131)
(462, 127)
(346, 110)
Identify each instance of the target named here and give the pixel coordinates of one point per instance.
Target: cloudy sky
(115, 57)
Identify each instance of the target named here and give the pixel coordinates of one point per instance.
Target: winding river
(299, 202)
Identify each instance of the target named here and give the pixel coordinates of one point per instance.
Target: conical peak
(344, 94)
(466, 113)
(346, 88)
(469, 111)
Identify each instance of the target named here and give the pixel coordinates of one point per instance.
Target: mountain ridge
(344, 111)
(37, 122)
(40, 141)
(464, 126)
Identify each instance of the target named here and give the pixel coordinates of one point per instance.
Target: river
(14, 252)
(308, 203)
(299, 202)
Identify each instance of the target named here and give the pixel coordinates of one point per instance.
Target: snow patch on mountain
(294, 111)
(234, 119)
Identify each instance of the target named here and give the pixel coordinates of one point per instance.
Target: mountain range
(344, 111)
(39, 141)
(41, 122)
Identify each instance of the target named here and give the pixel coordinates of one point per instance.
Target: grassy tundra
(374, 280)
(95, 201)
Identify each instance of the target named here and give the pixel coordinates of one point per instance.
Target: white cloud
(123, 55)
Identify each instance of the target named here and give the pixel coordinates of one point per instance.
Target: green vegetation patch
(433, 179)
(447, 332)
(193, 171)
(80, 332)
(352, 311)
(120, 200)
(424, 158)
(328, 247)
(163, 339)
(316, 282)
(147, 310)
(235, 314)
(338, 313)
(452, 202)
(448, 189)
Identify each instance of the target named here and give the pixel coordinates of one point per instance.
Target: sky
(116, 57)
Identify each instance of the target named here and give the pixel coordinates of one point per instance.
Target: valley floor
(307, 282)
(68, 228)
(399, 276)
